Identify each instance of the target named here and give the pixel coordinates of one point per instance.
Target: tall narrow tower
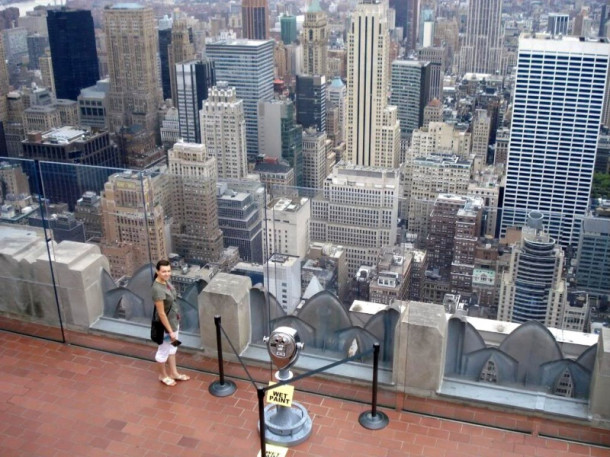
(557, 111)
(193, 80)
(533, 288)
(482, 48)
(195, 231)
(180, 49)
(73, 52)
(407, 17)
(246, 65)
(131, 41)
(255, 19)
(372, 127)
(223, 131)
(314, 39)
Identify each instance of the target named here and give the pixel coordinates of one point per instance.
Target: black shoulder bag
(157, 329)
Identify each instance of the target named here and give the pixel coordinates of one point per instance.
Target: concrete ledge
(515, 398)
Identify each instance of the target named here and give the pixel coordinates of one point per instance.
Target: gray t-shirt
(167, 294)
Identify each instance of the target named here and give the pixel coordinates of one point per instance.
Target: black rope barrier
(373, 419)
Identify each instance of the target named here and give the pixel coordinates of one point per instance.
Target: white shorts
(166, 349)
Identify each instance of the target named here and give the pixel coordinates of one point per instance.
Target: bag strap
(156, 314)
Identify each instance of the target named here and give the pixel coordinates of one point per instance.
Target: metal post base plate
(222, 390)
(376, 422)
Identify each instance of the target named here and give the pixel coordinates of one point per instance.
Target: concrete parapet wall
(599, 403)
(228, 296)
(419, 356)
(27, 282)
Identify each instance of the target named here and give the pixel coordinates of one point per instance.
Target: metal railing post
(221, 388)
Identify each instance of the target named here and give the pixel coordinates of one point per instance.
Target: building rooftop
(70, 400)
(127, 6)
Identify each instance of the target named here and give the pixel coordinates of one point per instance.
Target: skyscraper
(311, 102)
(288, 27)
(410, 93)
(407, 17)
(180, 49)
(557, 111)
(362, 217)
(593, 258)
(336, 99)
(246, 65)
(131, 40)
(372, 127)
(314, 39)
(4, 83)
(195, 232)
(73, 51)
(533, 288)
(314, 158)
(135, 229)
(223, 131)
(255, 19)
(280, 136)
(239, 218)
(482, 48)
(193, 79)
(165, 39)
(558, 24)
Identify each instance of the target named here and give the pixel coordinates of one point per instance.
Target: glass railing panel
(30, 302)
(323, 246)
(99, 218)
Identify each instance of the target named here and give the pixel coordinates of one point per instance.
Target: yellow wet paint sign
(280, 395)
(274, 451)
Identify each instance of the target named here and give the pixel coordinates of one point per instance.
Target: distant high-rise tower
(4, 83)
(180, 49)
(131, 41)
(336, 99)
(288, 28)
(255, 19)
(73, 51)
(361, 218)
(372, 127)
(482, 48)
(165, 39)
(311, 102)
(533, 288)
(314, 40)
(314, 158)
(410, 93)
(558, 23)
(223, 131)
(280, 136)
(246, 65)
(135, 229)
(195, 231)
(407, 17)
(557, 111)
(193, 80)
(45, 63)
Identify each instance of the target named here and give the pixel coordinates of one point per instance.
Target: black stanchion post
(375, 379)
(221, 388)
(261, 419)
(374, 420)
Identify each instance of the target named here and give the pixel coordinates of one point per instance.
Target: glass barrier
(30, 302)
(336, 263)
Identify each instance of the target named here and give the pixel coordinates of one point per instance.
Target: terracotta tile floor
(59, 400)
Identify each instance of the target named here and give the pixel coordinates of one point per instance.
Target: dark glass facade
(73, 51)
(311, 102)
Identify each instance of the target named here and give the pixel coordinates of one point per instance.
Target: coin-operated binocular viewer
(287, 422)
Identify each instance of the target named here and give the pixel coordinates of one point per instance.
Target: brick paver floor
(58, 400)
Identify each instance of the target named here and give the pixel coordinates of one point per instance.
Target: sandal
(168, 381)
(182, 377)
